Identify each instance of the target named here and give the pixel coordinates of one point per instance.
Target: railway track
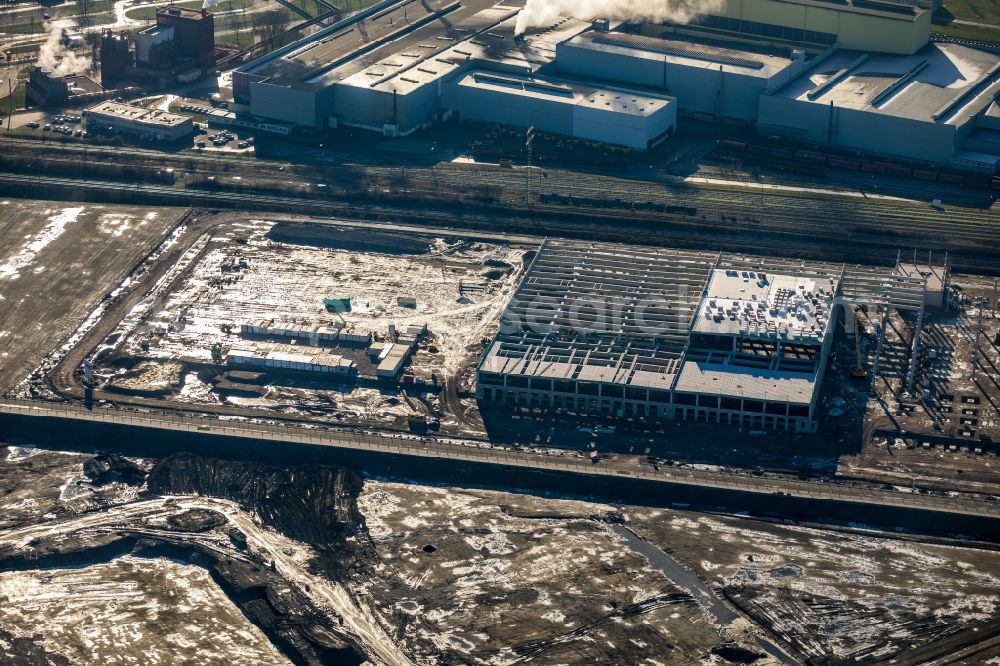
(788, 236)
(512, 182)
(797, 217)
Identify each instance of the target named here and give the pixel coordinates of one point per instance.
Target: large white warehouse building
(608, 115)
(414, 73)
(858, 73)
(923, 106)
(710, 82)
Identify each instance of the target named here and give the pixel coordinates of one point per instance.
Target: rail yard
(746, 208)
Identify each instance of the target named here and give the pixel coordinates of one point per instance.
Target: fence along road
(478, 452)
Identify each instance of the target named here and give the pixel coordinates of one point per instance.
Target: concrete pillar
(879, 344)
(849, 317)
(915, 352)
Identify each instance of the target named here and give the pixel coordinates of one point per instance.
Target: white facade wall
(853, 128)
(547, 115)
(623, 129)
(558, 115)
(145, 41)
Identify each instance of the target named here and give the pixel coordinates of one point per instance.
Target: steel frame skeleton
(620, 318)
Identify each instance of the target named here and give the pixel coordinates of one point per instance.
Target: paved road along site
(479, 452)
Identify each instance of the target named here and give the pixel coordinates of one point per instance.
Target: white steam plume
(541, 13)
(210, 3)
(54, 56)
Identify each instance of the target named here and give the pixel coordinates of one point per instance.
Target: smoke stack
(600, 25)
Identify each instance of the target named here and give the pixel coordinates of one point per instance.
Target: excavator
(859, 371)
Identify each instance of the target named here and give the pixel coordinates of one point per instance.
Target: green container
(338, 303)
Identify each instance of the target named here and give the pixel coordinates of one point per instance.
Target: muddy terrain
(320, 565)
(57, 262)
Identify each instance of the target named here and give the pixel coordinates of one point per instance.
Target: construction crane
(859, 371)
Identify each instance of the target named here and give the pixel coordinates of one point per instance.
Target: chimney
(600, 25)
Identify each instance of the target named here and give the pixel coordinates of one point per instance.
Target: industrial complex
(180, 46)
(497, 331)
(861, 75)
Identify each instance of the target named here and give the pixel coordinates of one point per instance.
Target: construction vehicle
(417, 422)
(859, 371)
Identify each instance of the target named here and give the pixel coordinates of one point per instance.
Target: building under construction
(642, 332)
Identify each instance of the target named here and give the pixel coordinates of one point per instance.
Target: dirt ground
(132, 610)
(57, 261)
(832, 595)
(461, 575)
(262, 270)
(36, 483)
(824, 595)
(433, 575)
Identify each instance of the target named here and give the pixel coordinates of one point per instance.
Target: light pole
(529, 140)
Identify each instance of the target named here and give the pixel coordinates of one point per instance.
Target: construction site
(789, 404)
(671, 358)
(324, 320)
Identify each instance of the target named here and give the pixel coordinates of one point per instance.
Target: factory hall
(844, 74)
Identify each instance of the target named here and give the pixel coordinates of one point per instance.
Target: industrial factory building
(861, 74)
(641, 332)
(925, 106)
(417, 71)
(179, 46)
(608, 115)
(138, 121)
(710, 82)
(47, 89)
(866, 25)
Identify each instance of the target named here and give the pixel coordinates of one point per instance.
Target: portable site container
(338, 303)
(328, 333)
(393, 362)
(355, 338)
(239, 357)
(255, 327)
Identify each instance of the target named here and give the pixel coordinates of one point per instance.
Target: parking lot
(71, 124)
(222, 139)
(65, 124)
